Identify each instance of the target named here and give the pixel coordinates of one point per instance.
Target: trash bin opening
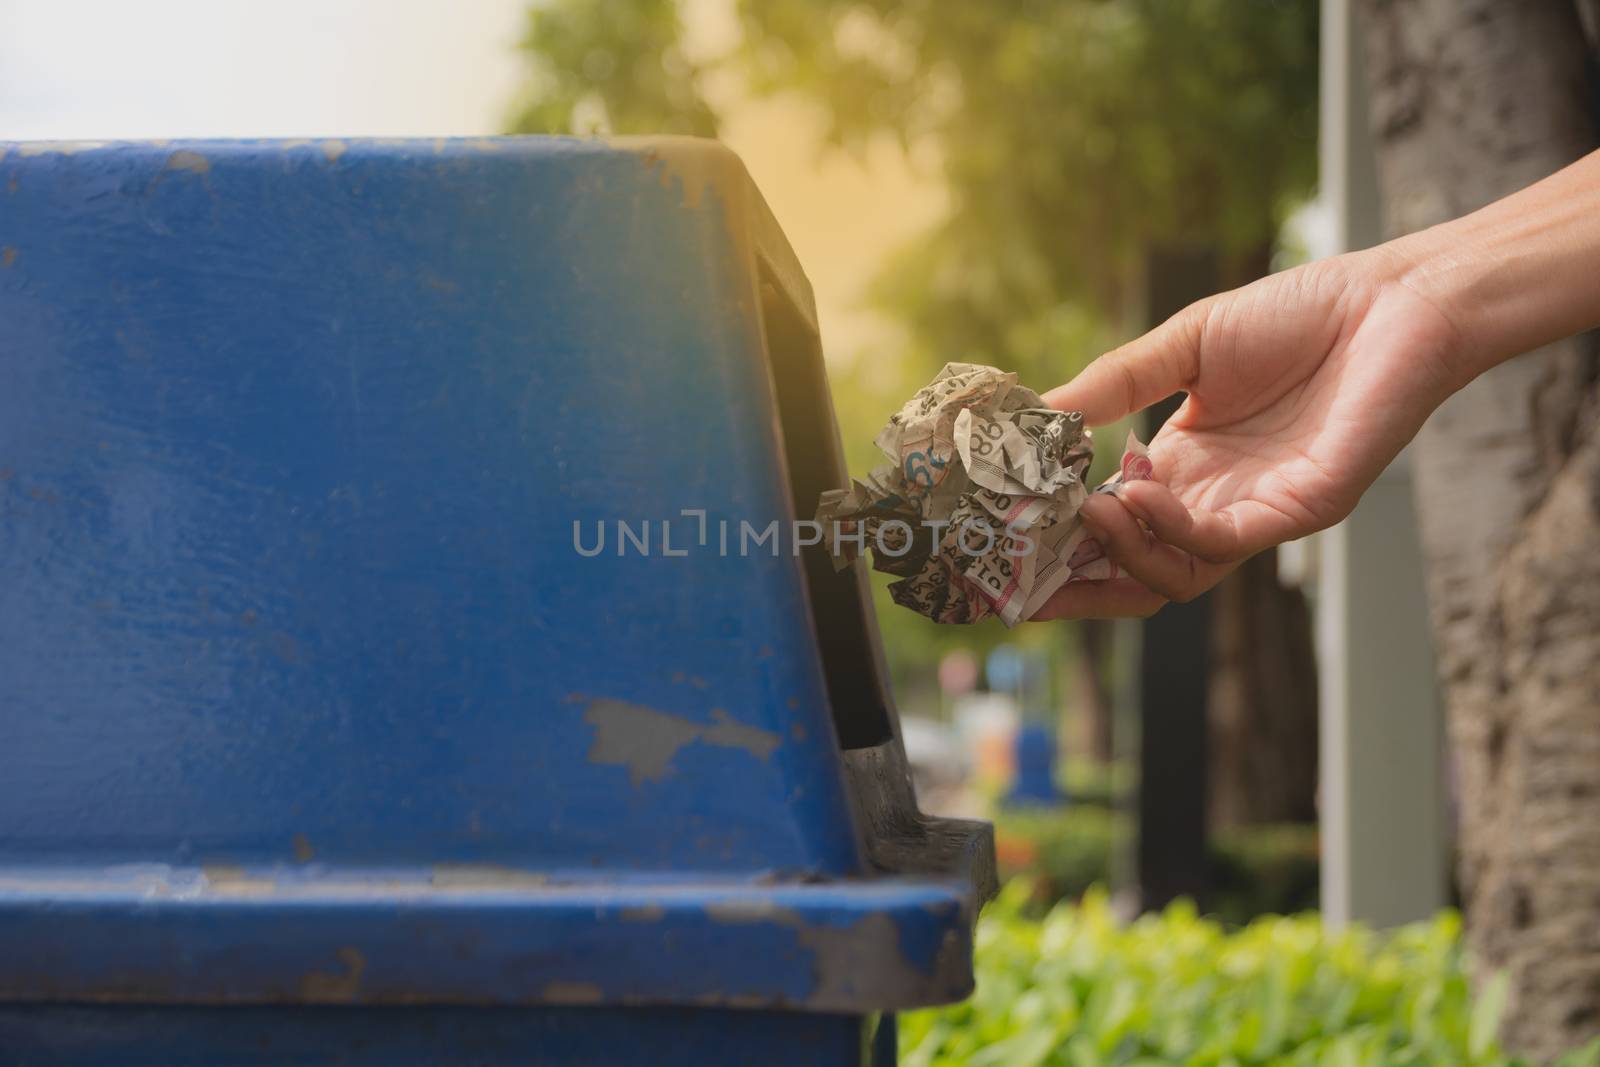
(847, 633)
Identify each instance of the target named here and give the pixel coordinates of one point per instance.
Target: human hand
(1301, 388)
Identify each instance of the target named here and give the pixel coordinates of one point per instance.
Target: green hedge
(1062, 852)
(1080, 989)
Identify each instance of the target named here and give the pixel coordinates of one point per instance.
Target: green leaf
(1486, 1016)
(1028, 1049)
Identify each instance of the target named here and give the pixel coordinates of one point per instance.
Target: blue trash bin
(328, 736)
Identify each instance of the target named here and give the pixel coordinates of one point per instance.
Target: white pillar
(1382, 796)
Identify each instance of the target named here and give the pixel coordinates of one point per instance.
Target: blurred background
(1017, 182)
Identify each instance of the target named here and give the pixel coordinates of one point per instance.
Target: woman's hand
(1301, 388)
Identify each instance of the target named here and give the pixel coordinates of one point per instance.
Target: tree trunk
(1263, 700)
(1471, 100)
(1095, 697)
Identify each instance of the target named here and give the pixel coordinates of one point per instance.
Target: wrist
(1448, 271)
(1516, 275)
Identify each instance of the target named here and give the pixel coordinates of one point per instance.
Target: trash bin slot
(847, 633)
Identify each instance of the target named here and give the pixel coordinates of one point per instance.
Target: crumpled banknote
(977, 509)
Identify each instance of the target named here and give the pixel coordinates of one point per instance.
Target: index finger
(1132, 377)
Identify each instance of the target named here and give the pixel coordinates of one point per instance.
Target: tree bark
(1471, 100)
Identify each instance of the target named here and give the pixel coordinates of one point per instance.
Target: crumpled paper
(977, 510)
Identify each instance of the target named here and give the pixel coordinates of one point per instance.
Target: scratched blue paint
(694, 944)
(293, 439)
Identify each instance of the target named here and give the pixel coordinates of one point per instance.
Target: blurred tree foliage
(1072, 135)
(609, 66)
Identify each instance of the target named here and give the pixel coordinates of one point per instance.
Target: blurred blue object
(1035, 782)
(313, 694)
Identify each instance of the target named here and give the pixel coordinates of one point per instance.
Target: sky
(109, 69)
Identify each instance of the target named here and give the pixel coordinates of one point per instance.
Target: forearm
(1517, 274)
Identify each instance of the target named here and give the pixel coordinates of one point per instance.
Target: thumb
(1130, 378)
